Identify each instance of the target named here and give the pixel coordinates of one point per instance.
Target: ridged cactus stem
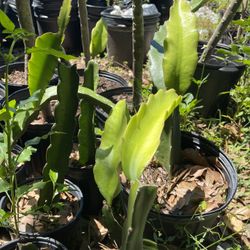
(25, 19)
(138, 55)
(83, 13)
(62, 131)
(26, 22)
(226, 19)
(86, 134)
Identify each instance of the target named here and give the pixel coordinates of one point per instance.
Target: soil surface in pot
(33, 220)
(199, 186)
(17, 77)
(104, 84)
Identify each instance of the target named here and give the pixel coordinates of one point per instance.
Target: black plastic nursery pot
(113, 95)
(171, 224)
(40, 242)
(163, 6)
(94, 14)
(68, 234)
(13, 8)
(223, 75)
(46, 14)
(83, 177)
(120, 35)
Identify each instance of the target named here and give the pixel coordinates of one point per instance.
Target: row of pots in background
(222, 76)
(119, 29)
(45, 15)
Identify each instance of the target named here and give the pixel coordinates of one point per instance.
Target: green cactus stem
(138, 55)
(62, 131)
(83, 13)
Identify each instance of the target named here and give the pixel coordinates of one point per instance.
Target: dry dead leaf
(233, 223)
(242, 213)
(195, 157)
(98, 231)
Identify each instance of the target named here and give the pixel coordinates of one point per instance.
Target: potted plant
(12, 133)
(119, 152)
(94, 9)
(46, 13)
(178, 64)
(221, 75)
(119, 28)
(227, 74)
(177, 70)
(138, 56)
(83, 155)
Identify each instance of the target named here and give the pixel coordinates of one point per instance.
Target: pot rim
(106, 14)
(238, 65)
(39, 240)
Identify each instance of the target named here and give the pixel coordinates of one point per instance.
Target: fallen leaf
(242, 213)
(98, 231)
(195, 157)
(233, 223)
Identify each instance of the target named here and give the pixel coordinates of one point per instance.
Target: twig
(226, 19)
